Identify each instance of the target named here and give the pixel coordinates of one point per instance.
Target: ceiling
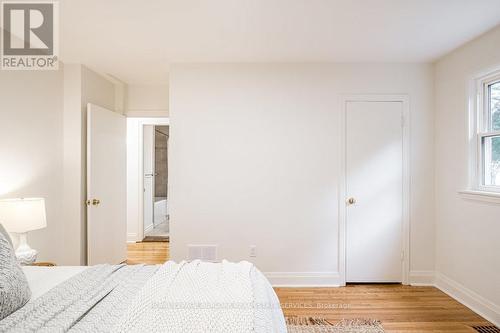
(137, 41)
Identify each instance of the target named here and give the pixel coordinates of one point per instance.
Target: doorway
(374, 221)
(155, 168)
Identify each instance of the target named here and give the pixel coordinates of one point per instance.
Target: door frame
(153, 162)
(405, 121)
(140, 196)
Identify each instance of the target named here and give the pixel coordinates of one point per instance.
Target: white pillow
(14, 288)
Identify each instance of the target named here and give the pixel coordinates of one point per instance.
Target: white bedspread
(205, 297)
(184, 297)
(42, 279)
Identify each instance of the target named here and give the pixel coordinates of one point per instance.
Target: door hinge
(402, 121)
(402, 255)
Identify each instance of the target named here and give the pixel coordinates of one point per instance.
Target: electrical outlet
(253, 251)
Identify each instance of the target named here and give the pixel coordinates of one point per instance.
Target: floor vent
(486, 329)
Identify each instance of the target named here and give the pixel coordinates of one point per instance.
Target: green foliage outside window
(495, 118)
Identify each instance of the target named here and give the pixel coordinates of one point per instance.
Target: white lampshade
(23, 215)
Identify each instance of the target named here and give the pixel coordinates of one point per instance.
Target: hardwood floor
(402, 309)
(147, 253)
(399, 308)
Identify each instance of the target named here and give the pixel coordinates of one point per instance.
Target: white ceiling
(137, 41)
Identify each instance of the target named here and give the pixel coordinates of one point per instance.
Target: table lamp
(21, 216)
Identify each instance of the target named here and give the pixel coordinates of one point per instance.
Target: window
(488, 134)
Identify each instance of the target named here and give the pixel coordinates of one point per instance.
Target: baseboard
(421, 278)
(469, 298)
(303, 279)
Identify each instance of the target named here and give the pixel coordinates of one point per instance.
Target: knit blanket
(205, 297)
(184, 297)
(92, 301)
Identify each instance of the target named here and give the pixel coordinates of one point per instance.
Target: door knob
(351, 201)
(95, 202)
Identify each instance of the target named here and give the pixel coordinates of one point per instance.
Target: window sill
(484, 196)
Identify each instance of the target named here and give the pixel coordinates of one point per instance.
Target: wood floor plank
(147, 253)
(401, 309)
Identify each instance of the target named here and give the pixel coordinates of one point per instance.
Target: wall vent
(202, 252)
(486, 329)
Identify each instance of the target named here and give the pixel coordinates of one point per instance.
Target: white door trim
(140, 196)
(406, 179)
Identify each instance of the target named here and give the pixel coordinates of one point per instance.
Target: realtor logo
(29, 35)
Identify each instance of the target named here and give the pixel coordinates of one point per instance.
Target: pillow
(6, 234)
(14, 288)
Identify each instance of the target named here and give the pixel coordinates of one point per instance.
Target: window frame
(480, 124)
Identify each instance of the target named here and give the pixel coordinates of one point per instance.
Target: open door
(106, 186)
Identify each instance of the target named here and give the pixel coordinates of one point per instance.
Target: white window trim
(492, 197)
(477, 99)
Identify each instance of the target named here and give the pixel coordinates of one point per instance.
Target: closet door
(374, 188)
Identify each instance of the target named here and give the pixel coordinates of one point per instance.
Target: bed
(174, 297)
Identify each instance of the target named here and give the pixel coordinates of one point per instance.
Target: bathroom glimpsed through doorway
(156, 217)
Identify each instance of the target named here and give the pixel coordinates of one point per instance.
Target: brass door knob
(95, 202)
(351, 201)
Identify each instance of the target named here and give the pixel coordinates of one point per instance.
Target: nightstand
(47, 264)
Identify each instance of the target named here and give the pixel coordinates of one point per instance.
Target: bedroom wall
(147, 100)
(466, 230)
(42, 150)
(255, 161)
(31, 154)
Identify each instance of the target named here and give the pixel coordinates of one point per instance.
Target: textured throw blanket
(184, 297)
(92, 301)
(204, 297)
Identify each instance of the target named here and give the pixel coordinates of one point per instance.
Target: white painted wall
(147, 100)
(31, 151)
(97, 89)
(255, 161)
(42, 150)
(467, 250)
(73, 209)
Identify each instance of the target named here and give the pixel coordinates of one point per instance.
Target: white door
(374, 188)
(106, 186)
(149, 175)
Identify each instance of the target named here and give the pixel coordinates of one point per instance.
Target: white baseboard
(131, 237)
(421, 278)
(469, 298)
(303, 279)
